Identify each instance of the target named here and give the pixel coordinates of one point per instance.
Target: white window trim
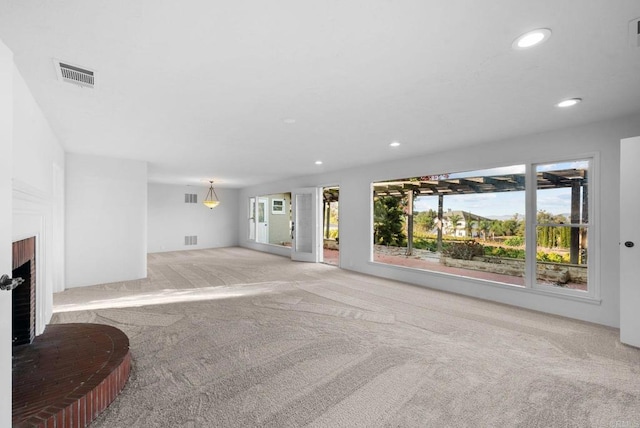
(593, 293)
(282, 208)
(593, 250)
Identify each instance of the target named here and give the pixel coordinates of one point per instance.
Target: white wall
(602, 138)
(171, 219)
(32, 157)
(106, 219)
(6, 126)
(38, 158)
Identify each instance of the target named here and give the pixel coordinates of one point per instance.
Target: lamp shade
(211, 200)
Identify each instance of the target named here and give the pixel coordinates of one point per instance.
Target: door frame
(264, 225)
(324, 222)
(629, 232)
(307, 219)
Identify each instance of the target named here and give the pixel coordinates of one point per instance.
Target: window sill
(537, 290)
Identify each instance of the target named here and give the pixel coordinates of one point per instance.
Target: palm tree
(485, 227)
(455, 219)
(496, 229)
(468, 226)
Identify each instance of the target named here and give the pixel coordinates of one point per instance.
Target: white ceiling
(200, 89)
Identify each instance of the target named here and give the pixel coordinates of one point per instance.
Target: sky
(499, 205)
(502, 205)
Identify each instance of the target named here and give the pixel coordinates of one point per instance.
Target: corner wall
(6, 130)
(106, 218)
(171, 219)
(38, 195)
(602, 138)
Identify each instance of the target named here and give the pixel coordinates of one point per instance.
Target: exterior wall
(106, 214)
(279, 224)
(601, 139)
(515, 267)
(171, 219)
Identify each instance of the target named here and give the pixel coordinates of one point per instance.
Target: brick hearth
(68, 375)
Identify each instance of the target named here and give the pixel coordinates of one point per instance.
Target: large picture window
(475, 224)
(466, 223)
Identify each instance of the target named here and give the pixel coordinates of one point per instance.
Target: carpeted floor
(233, 338)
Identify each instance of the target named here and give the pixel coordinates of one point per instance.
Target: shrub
(425, 244)
(388, 221)
(552, 257)
(510, 253)
(514, 241)
(463, 250)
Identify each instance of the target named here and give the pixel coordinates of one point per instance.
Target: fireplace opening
(23, 297)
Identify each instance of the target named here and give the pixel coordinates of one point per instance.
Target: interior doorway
(330, 223)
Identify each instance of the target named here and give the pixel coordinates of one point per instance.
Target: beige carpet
(251, 339)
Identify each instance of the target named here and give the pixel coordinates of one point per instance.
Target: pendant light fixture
(211, 200)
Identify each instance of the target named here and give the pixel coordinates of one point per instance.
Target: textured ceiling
(201, 89)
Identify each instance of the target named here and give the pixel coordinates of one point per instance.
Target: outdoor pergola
(442, 185)
(329, 195)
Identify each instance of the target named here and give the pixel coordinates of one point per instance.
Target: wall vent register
(73, 74)
(191, 240)
(190, 198)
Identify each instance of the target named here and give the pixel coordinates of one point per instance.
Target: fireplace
(24, 296)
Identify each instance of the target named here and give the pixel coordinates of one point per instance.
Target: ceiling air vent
(74, 74)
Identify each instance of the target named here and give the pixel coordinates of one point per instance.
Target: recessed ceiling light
(289, 120)
(394, 144)
(532, 38)
(318, 162)
(568, 103)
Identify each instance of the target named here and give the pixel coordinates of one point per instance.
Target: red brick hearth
(68, 375)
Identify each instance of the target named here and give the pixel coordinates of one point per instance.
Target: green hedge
(469, 249)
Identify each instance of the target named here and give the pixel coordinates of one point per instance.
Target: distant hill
(505, 217)
(520, 216)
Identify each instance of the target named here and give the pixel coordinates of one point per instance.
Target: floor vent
(74, 74)
(191, 240)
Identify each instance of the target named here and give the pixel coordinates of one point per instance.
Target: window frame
(276, 208)
(592, 226)
(593, 292)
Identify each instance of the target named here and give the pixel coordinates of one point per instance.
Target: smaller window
(277, 206)
(562, 224)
